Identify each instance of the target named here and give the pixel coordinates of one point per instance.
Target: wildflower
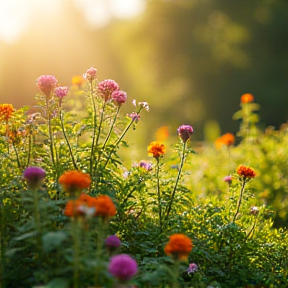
(247, 98)
(254, 210)
(228, 179)
(105, 207)
(156, 149)
(6, 111)
(245, 172)
(106, 88)
(34, 176)
(77, 80)
(15, 136)
(227, 139)
(74, 181)
(119, 97)
(144, 105)
(90, 74)
(162, 133)
(123, 267)
(112, 242)
(192, 268)
(46, 83)
(61, 91)
(179, 246)
(185, 132)
(145, 165)
(134, 116)
(90, 201)
(73, 208)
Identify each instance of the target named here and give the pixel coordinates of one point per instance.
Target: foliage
(54, 235)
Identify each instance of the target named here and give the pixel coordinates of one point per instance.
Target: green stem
(29, 149)
(67, 141)
(176, 183)
(159, 193)
(17, 156)
(252, 229)
(94, 128)
(75, 253)
(240, 200)
(51, 142)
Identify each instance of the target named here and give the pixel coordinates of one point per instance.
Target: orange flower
(72, 208)
(245, 172)
(179, 246)
(156, 149)
(74, 181)
(227, 139)
(77, 80)
(247, 98)
(6, 111)
(104, 207)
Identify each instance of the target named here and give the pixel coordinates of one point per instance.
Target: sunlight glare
(126, 9)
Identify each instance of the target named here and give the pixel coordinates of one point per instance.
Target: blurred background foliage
(190, 60)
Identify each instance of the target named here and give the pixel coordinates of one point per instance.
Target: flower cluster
(106, 88)
(245, 172)
(119, 97)
(61, 91)
(6, 111)
(90, 74)
(123, 267)
(247, 98)
(74, 181)
(47, 84)
(185, 132)
(178, 247)
(87, 205)
(156, 149)
(34, 176)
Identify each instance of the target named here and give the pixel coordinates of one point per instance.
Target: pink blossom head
(185, 132)
(145, 165)
(106, 88)
(61, 91)
(112, 241)
(123, 267)
(228, 179)
(119, 97)
(134, 116)
(34, 176)
(192, 268)
(91, 74)
(46, 83)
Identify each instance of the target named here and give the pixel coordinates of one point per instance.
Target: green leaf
(52, 240)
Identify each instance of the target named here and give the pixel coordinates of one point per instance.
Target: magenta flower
(61, 91)
(119, 97)
(192, 268)
(106, 88)
(228, 179)
(34, 176)
(145, 165)
(185, 132)
(90, 74)
(46, 83)
(123, 267)
(112, 241)
(134, 116)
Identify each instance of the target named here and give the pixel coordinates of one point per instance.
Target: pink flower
(46, 83)
(185, 132)
(134, 116)
(228, 179)
(145, 165)
(119, 97)
(34, 176)
(192, 268)
(112, 241)
(90, 74)
(61, 91)
(123, 267)
(144, 105)
(106, 88)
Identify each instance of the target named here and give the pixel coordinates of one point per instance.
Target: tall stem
(29, 149)
(51, 142)
(94, 128)
(75, 253)
(67, 141)
(240, 199)
(159, 193)
(17, 156)
(176, 182)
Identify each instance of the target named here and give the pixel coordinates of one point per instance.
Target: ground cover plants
(73, 215)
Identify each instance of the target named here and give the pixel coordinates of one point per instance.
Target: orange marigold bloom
(104, 206)
(73, 181)
(77, 80)
(227, 139)
(72, 208)
(245, 172)
(247, 98)
(6, 111)
(89, 200)
(156, 149)
(179, 246)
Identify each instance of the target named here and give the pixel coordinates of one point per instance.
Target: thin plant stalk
(176, 182)
(159, 193)
(94, 116)
(29, 149)
(17, 156)
(252, 229)
(76, 247)
(51, 142)
(240, 200)
(67, 141)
